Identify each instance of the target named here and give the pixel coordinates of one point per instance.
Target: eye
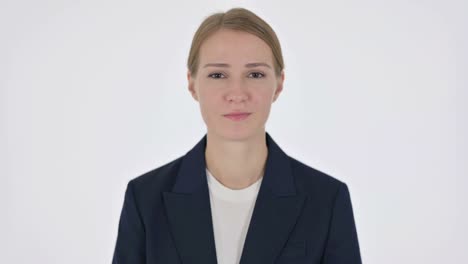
(257, 75)
(216, 75)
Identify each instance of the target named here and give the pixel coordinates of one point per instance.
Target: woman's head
(235, 65)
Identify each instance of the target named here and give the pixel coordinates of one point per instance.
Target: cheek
(265, 90)
(263, 98)
(209, 105)
(208, 99)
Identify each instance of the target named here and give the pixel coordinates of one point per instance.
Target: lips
(237, 116)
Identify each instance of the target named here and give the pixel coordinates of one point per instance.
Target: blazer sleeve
(342, 243)
(130, 244)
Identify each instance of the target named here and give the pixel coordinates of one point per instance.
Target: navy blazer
(301, 215)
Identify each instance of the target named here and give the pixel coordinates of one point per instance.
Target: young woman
(236, 197)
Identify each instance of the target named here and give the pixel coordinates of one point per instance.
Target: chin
(237, 134)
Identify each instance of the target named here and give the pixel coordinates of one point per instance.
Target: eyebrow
(248, 65)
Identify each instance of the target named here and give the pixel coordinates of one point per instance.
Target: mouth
(237, 116)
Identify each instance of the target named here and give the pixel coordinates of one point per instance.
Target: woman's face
(235, 74)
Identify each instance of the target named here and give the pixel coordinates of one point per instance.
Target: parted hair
(239, 19)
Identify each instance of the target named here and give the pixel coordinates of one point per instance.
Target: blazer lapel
(275, 213)
(276, 209)
(188, 209)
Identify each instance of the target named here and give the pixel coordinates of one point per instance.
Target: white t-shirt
(231, 211)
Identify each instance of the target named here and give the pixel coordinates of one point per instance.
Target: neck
(236, 164)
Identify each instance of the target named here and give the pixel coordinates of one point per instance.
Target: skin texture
(236, 151)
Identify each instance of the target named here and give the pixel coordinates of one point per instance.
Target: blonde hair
(236, 19)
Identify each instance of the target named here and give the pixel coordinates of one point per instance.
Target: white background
(94, 93)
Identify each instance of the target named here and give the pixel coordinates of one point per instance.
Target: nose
(237, 92)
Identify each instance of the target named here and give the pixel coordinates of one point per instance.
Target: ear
(191, 85)
(279, 87)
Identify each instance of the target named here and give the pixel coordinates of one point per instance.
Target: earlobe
(279, 89)
(276, 96)
(277, 93)
(191, 86)
(192, 91)
(194, 95)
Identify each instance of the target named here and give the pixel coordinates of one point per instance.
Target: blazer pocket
(294, 249)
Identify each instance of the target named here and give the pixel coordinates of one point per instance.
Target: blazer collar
(189, 215)
(277, 177)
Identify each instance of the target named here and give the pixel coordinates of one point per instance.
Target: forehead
(235, 46)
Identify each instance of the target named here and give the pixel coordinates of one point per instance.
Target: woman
(236, 197)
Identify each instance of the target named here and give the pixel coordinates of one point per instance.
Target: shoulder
(313, 182)
(156, 180)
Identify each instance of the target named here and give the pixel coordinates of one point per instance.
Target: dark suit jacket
(301, 215)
